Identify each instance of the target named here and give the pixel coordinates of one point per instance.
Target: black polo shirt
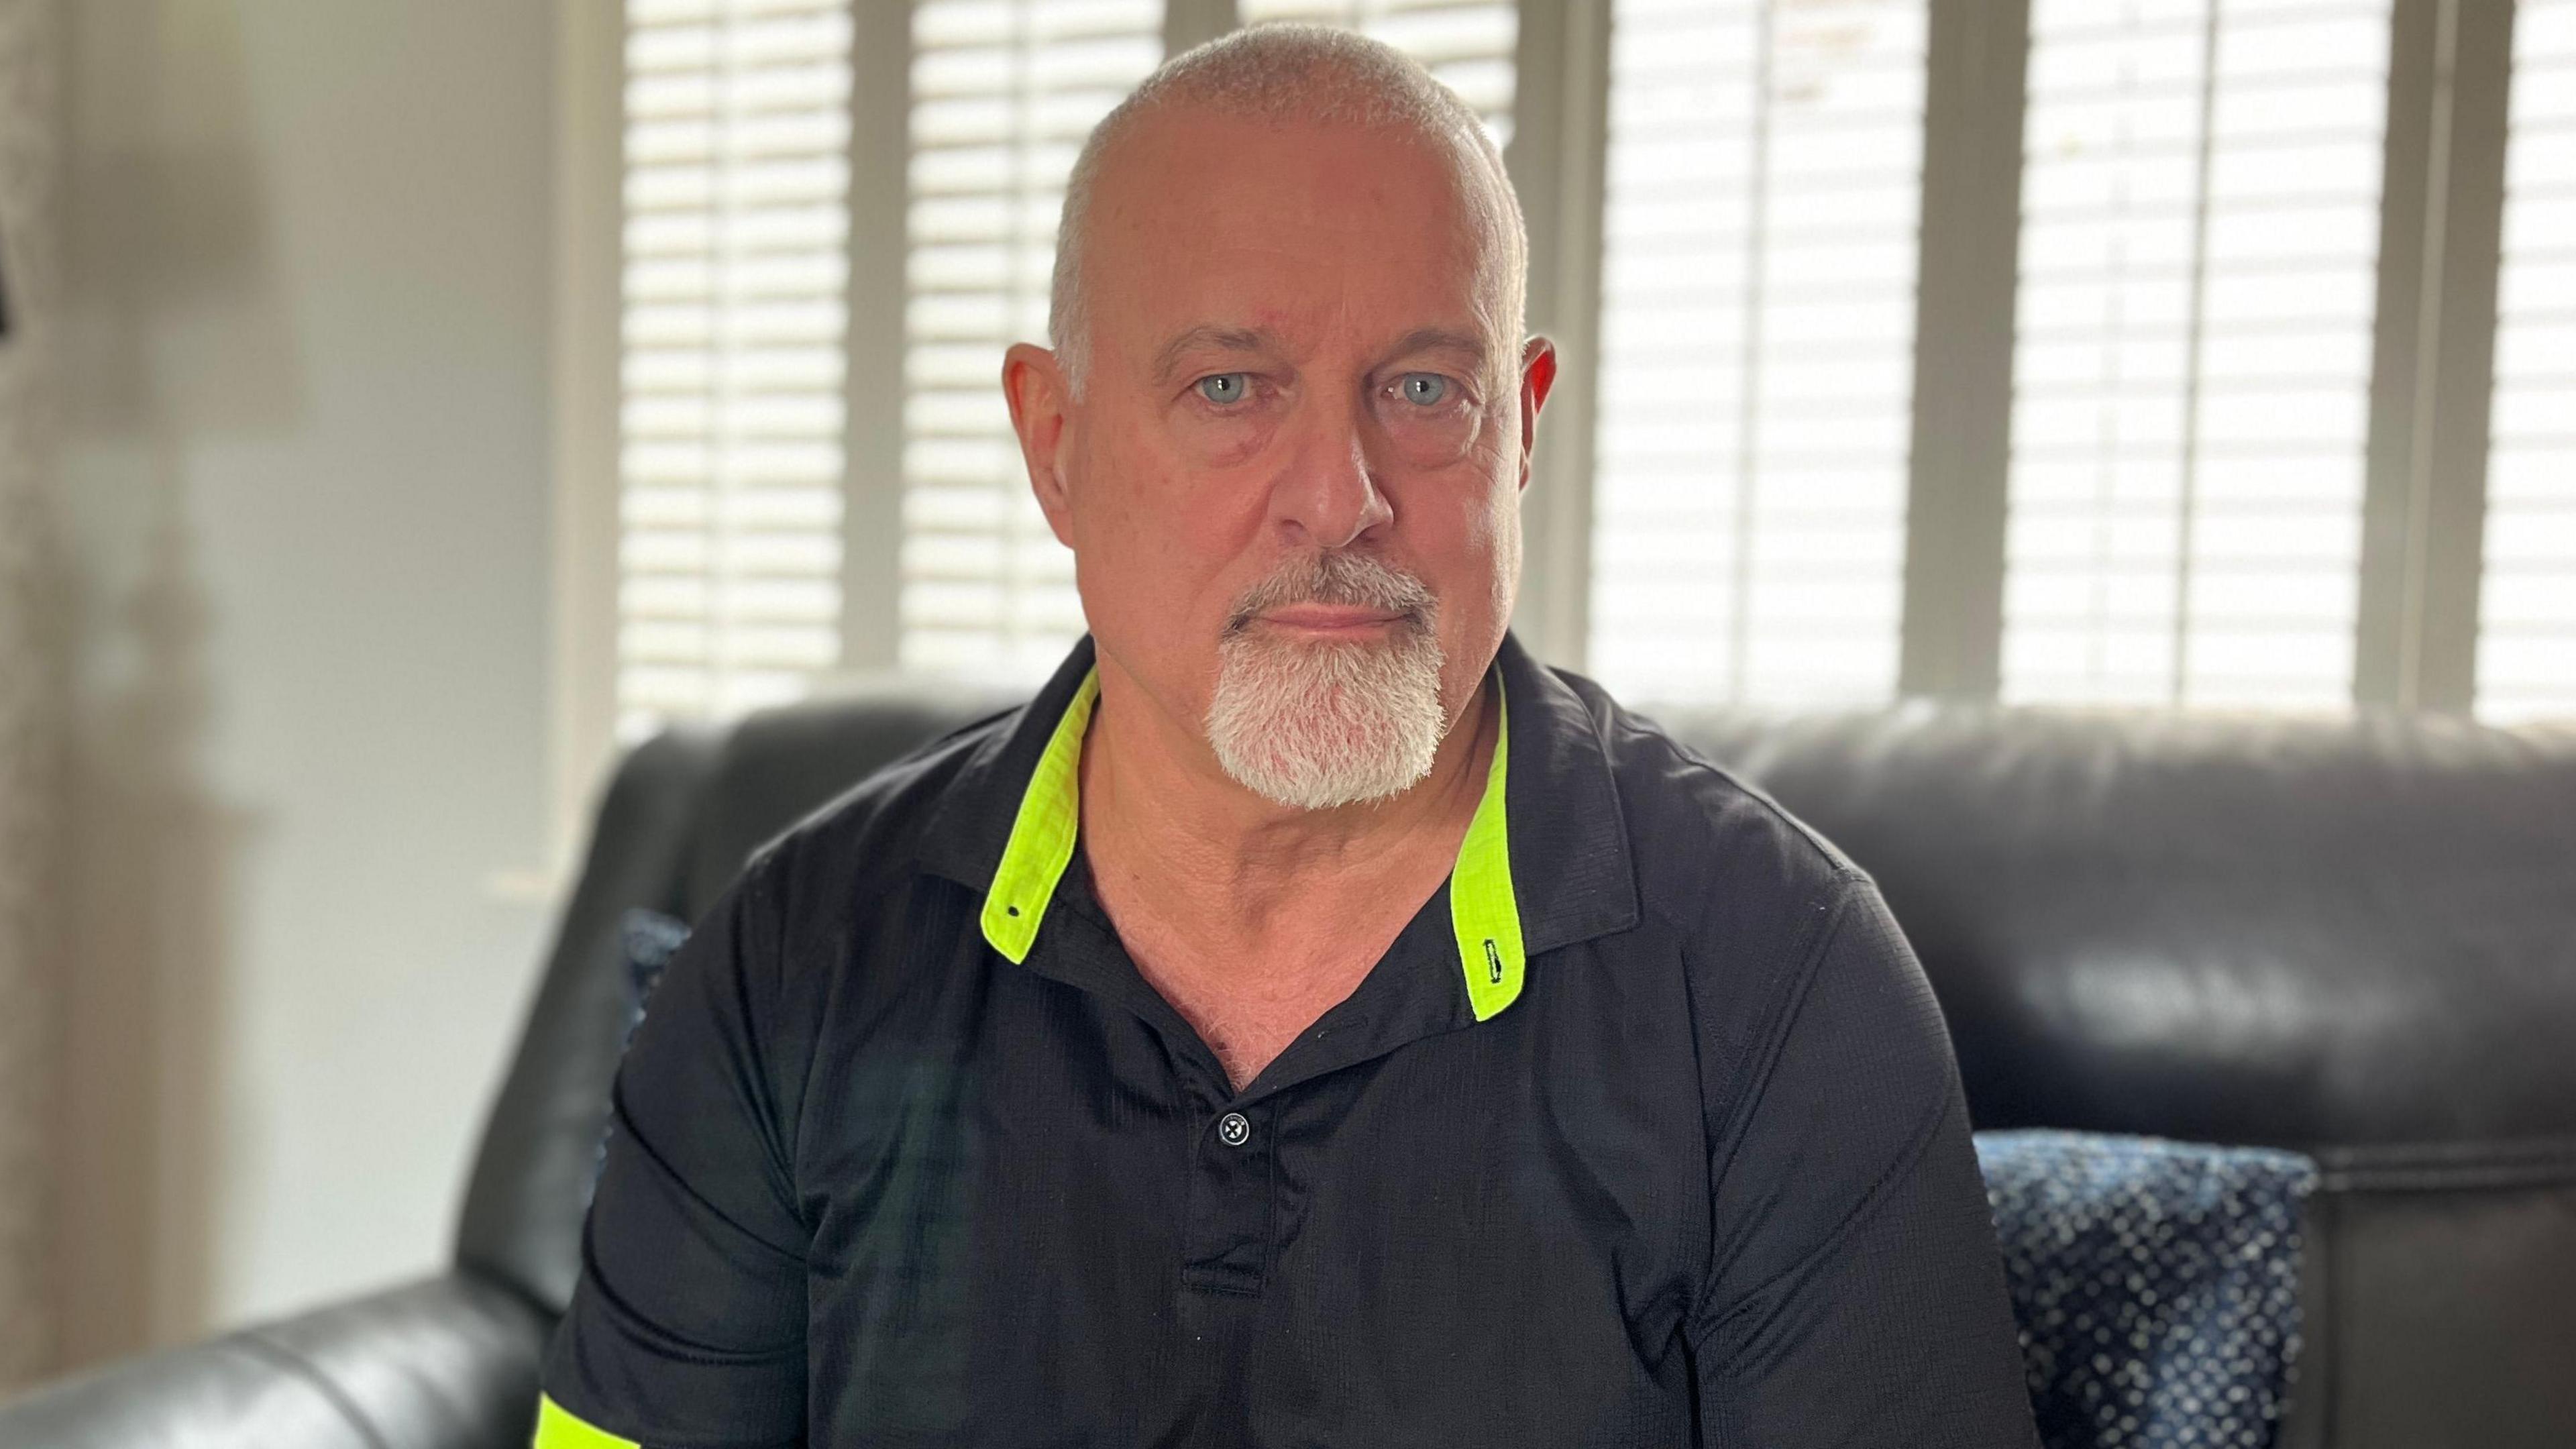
(1645, 1131)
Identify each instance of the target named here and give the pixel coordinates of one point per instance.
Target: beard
(1316, 724)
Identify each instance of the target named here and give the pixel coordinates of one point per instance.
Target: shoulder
(838, 871)
(1768, 922)
(1713, 853)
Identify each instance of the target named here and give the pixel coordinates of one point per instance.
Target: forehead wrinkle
(1304, 273)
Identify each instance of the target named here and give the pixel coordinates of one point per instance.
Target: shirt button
(1234, 1129)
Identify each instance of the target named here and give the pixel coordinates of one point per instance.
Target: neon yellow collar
(1483, 911)
(560, 1428)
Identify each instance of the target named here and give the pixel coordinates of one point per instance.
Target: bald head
(1289, 75)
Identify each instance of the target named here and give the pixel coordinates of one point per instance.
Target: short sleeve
(687, 1324)
(1855, 1293)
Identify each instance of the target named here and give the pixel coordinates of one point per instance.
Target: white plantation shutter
(1003, 93)
(1758, 296)
(731, 451)
(1468, 44)
(2193, 366)
(2527, 598)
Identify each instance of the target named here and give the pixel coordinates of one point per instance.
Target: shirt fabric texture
(1700, 1176)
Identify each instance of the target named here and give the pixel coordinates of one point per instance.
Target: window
(2200, 225)
(1004, 92)
(2191, 368)
(731, 453)
(2527, 602)
(1757, 329)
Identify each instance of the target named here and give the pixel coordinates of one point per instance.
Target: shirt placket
(1226, 1246)
(1229, 1237)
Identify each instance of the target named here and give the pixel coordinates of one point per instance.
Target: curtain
(31, 680)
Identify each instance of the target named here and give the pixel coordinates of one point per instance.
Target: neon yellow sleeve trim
(1482, 906)
(558, 1429)
(1042, 836)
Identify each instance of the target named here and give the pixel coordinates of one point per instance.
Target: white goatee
(1315, 724)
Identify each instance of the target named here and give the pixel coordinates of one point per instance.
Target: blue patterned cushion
(2156, 1284)
(646, 942)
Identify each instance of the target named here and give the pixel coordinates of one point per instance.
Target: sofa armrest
(448, 1362)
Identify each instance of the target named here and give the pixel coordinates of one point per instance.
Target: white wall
(31, 687)
(305, 483)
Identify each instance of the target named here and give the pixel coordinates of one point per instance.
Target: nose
(1330, 495)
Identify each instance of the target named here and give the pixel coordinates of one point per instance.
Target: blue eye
(1225, 388)
(1423, 389)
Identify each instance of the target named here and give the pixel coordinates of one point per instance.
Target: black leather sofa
(2355, 937)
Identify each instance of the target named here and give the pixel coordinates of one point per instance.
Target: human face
(1297, 348)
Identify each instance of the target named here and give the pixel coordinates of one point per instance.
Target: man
(1310, 1021)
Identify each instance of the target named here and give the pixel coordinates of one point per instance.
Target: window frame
(2441, 253)
(1557, 160)
(872, 503)
(1967, 293)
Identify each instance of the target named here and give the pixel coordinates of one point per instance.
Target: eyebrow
(1442, 339)
(1220, 339)
(1466, 345)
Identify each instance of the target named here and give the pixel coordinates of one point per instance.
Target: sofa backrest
(2332, 934)
(2351, 936)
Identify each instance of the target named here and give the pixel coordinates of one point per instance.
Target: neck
(1156, 807)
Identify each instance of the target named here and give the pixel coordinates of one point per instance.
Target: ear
(1538, 375)
(1041, 404)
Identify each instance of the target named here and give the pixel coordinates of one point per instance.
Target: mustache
(1338, 577)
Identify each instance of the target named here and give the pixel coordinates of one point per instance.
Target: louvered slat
(1004, 92)
(2200, 229)
(731, 456)
(1764, 189)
